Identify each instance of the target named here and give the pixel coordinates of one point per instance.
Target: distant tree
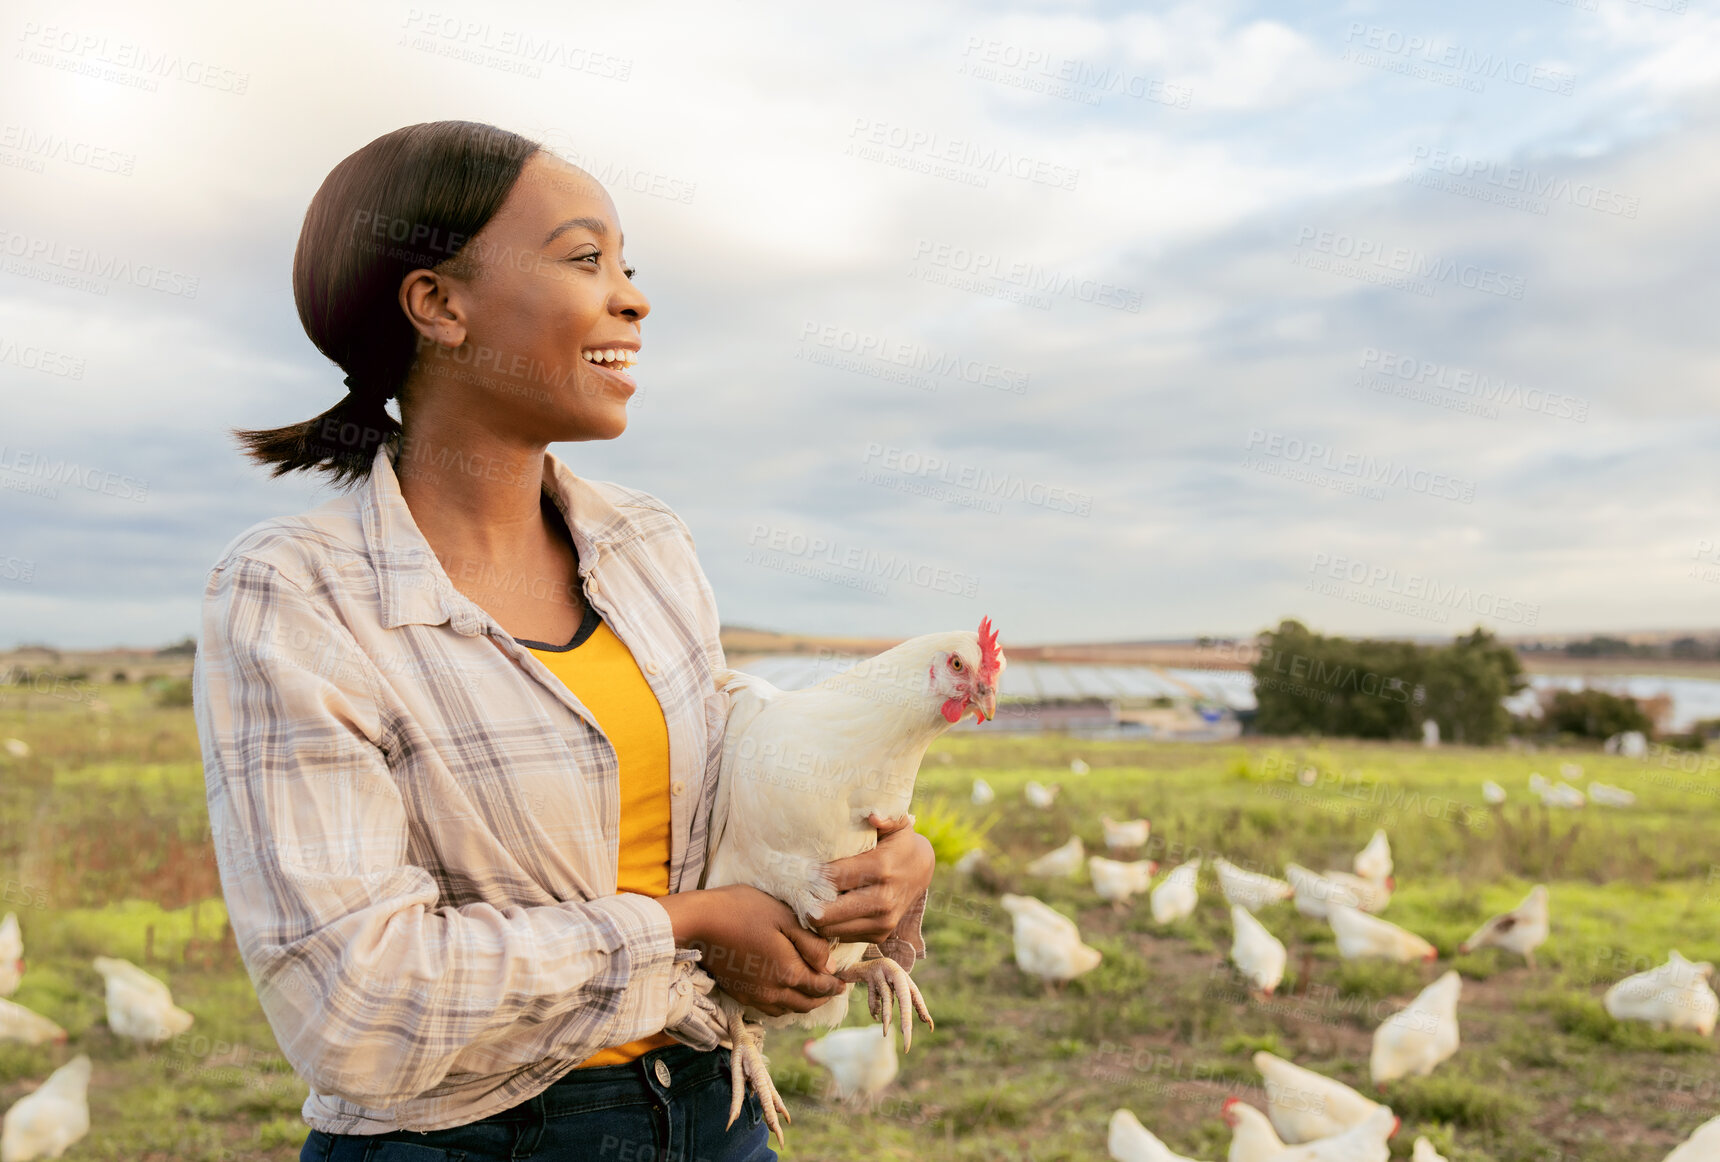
(1465, 684)
(1592, 713)
(184, 648)
(1600, 646)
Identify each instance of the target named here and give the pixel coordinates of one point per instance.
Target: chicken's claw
(887, 981)
(747, 1064)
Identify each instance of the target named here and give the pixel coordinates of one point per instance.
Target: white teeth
(608, 356)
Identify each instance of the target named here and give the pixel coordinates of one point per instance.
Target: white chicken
(969, 863)
(1126, 834)
(17, 748)
(1260, 955)
(1521, 930)
(1048, 943)
(45, 1123)
(983, 795)
(1078, 767)
(1410, 1042)
(20, 1024)
(1492, 793)
(1373, 894)
(1039, 795)
(1315, 891)
(861, 1063)
(1059, 861)
(1605, 795)
(1252, 890)
(1570, 770)
(1562, 794)
(862, 735)
(1177, 894)
(139, 1006)
(1364, 1142)
(11, 955)
(1374, 862)
(1703, 1145)
(1361, 936)
(1675, 995)
(1129, 1141)
(1252, 1138)
(1537, 783)
(1306, 1106)
(1424, 1152)
(1116, 881)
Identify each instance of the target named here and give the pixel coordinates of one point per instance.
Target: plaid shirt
(415, 822)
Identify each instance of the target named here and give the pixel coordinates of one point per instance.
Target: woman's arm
(370, 988)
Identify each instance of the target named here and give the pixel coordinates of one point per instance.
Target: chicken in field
(1676, 995)
(1570, 770)
(20, 1024)
(1116, 881)
(1521, 930)
(1048, 943)
(1562, 794)
(1373, 895)
(1537, 784)
(1361, 936)
(983, 795)
(11, 955)
(1260, 955)
(44, 1123)
(1127, 834)
(1077, 767)
(969, 863)
(863, 733)
(1252, 1138)
(1374, 862)
(1492, 793)
(1177, 894)
(1039, 795)
(1701, 1146)
(139, 1006)
(1306, 1106)
(1607, 796)
(1059, 861)
(1363, 1142)
(1129, 1141)
(1315, 891)
(17, 748)
(1424, 1152)
(1409, 1043)
(860, 1062)
(1252, 890)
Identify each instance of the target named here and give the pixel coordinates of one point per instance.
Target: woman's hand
(878, 887)
(754, 947)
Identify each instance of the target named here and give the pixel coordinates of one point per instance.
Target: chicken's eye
(955, 663)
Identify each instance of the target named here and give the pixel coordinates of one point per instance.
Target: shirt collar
(414, 588)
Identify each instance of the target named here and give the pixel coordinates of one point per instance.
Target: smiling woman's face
(532, 298)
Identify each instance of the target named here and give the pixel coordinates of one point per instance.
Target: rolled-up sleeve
(370, 988)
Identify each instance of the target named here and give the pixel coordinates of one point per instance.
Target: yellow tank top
(600, 671)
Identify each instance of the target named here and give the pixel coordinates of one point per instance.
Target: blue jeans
(610, 1113)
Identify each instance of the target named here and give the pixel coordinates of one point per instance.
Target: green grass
(104, 849)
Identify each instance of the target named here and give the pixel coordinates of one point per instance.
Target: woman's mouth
(613, 362)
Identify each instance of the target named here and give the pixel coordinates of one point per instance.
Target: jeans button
(662, 1072)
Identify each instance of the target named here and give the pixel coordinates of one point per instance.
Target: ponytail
(341, 441)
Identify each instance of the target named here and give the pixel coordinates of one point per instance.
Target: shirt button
(662, 1072)
(678, 787)
(650, 667)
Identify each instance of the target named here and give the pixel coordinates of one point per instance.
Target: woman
(459, 725)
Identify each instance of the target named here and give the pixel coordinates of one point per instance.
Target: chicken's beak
(986, 706)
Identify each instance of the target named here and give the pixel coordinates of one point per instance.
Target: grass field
(103, 850)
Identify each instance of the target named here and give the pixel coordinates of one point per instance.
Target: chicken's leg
(747, 1063)
(887, 981)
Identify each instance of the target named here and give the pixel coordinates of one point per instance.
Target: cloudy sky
(1110, 321)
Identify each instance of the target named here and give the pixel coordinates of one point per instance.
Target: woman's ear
(432, 305)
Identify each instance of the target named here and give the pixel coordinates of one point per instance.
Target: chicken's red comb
(990, 660)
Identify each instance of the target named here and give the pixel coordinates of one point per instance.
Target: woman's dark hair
(409, 200)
